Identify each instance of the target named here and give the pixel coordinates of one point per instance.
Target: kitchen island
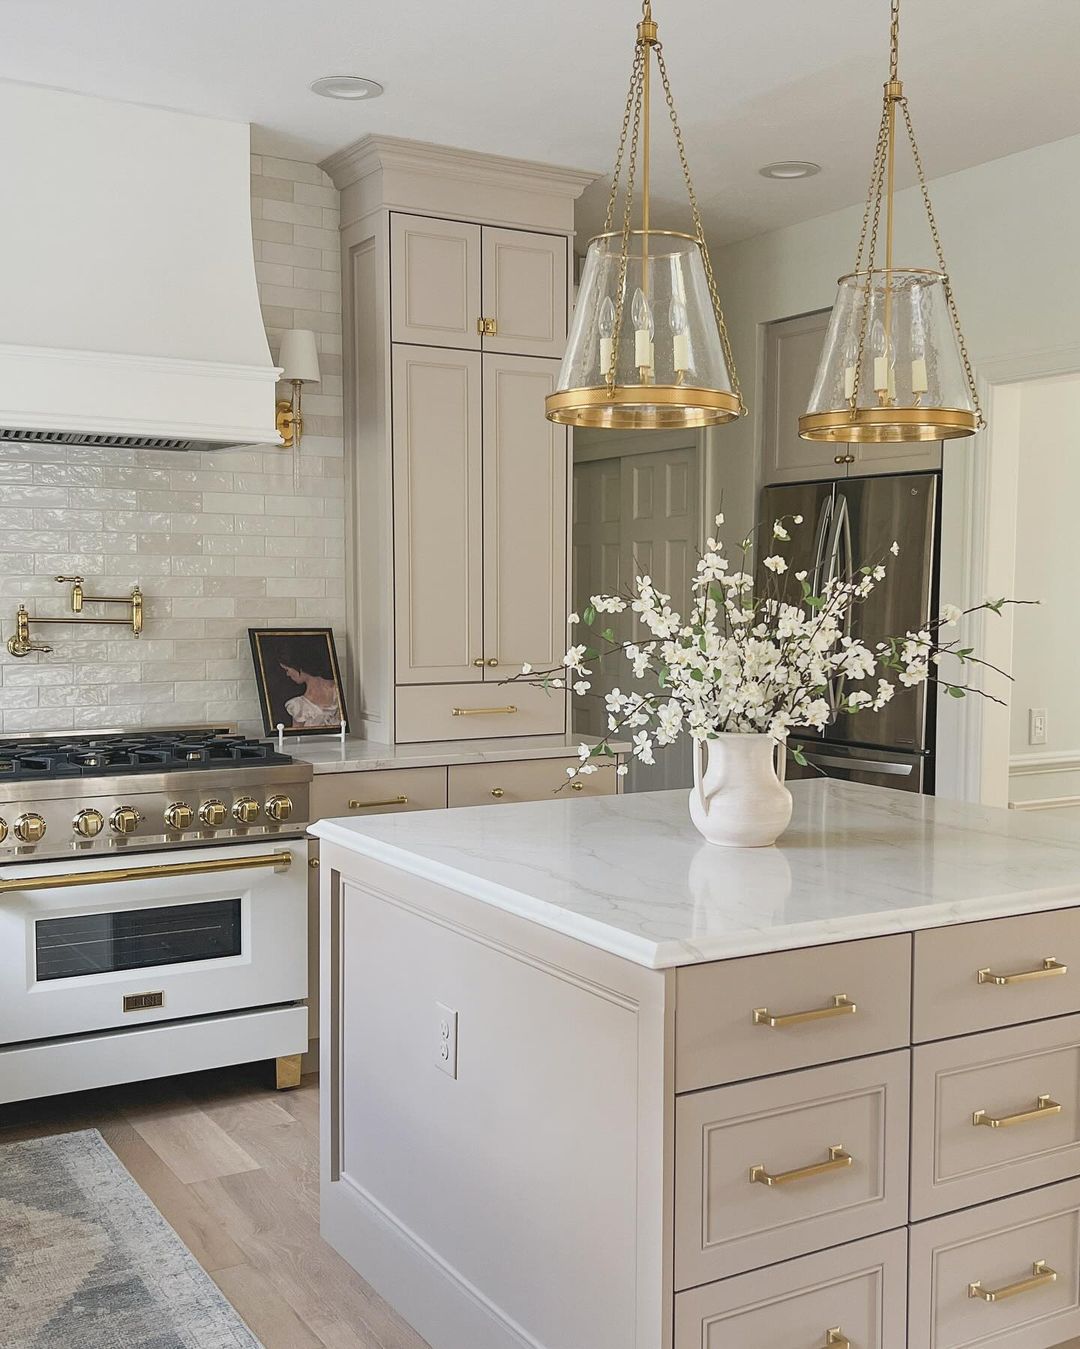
(589, 1083)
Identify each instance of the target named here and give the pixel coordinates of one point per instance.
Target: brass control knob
(30, 828)
(125, 820)
(88, 823)
(212, 814)
(279, 808)
(179, 816)
(3, 830)
(245, 810)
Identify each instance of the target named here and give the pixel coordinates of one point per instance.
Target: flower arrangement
(748, 656)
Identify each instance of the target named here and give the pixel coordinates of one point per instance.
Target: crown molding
(375, 153)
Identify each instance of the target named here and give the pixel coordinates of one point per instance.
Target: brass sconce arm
(289, 419)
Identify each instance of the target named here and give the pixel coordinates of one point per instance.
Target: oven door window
(133, 939)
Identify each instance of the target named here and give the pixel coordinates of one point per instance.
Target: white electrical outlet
(446, 1025)
(1036, 725)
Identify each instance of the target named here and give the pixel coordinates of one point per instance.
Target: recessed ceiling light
(346, 86)
(790, 168)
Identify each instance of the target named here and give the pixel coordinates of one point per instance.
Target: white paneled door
(524, 291)
(435, 298)
(438, 512)
(525, 479)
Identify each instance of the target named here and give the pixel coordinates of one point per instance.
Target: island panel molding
(672, 1212)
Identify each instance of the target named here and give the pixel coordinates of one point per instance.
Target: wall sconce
(299, 361)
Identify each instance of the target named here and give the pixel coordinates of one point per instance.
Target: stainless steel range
(152, 907)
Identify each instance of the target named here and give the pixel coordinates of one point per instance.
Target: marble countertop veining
(357, 756)
(629, 874)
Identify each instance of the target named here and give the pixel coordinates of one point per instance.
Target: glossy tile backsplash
(220, 541)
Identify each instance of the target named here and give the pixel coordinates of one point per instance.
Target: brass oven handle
(280, 861)
(1046, 970)
(1041, 1276)
(482, 711)
(389, 801)
(1044, 1108)
(841, 1005)
(839, 1160)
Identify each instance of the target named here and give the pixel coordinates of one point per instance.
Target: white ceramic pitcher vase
(738, 799)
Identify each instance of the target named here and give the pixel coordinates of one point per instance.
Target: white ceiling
(754, 82)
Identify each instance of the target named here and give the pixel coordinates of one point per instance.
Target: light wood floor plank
(189, 1141)
(266, 1312)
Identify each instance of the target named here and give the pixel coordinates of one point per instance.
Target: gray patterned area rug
(87, 1261)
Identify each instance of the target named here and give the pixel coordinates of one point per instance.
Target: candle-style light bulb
(605, 324)
(644, 327)
(919, 382)
(879, 346)
(680, 335)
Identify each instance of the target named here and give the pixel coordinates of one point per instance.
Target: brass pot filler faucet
(21, 645)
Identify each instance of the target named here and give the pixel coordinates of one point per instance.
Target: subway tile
(272, 189)
(291, 255)
(316, 237)
(54, 719)
(272, 231)
(295, 170)
(117, 673)
(35, 670)
(75, 695)
(295, 213)
(19, 695)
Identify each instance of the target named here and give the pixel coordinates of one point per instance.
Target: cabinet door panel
(435, 281)
(438, 565)
(914, 457)
(525, 513)
(524, 291)
(792, 352)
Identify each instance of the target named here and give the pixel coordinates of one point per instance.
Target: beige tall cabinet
(456, 294)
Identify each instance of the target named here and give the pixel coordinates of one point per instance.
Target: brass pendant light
(895, 365)
(648, 347)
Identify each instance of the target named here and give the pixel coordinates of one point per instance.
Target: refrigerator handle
(816, 576)
(839, 567)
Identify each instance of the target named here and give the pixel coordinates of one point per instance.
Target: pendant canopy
(895, 365)
(648, 347)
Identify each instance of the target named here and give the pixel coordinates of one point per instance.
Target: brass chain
(871, 215)
(894, 42)
(939, 250)
(637, 94)
(699, 230)
(609, 218)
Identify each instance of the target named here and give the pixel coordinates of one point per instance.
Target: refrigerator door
(876, 767)
(871, 513)
(808, 549)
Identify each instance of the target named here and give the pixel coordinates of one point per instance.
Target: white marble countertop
(629, 874)
(358, 756)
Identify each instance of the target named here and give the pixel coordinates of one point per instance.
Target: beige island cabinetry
(590, 1082)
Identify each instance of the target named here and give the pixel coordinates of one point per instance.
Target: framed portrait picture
(299, 681)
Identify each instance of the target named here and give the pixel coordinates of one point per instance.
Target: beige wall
(220, 541)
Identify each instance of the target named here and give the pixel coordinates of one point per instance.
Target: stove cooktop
(149, 752)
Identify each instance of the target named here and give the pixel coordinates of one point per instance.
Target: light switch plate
(446, 1042)
(1036, 725)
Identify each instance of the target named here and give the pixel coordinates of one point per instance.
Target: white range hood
(129, 313)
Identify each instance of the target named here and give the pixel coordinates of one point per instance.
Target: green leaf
(589, 616)
(608, 634)
(591, 653)
(799, 757)
(955, 692)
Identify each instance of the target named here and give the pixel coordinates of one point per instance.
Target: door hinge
(486, 327)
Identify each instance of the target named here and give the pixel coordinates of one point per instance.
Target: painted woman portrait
(299, 680)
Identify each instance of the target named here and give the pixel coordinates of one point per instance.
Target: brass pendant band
(876, 426)
(645, 406)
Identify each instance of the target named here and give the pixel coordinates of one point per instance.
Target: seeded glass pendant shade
(648, 347)
(894, 367)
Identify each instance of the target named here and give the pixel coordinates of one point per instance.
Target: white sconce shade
(298, 356)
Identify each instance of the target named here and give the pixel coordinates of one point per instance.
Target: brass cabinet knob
(313, 863)
(577, 786)
(497, 792)
(179, 816)
(478, 662)
(493, 661)
(245, 810)
(88, 823)
(839, 458)
(124, 820)
(212, 814)
(279, 808)
(30, 828)
(3, 830)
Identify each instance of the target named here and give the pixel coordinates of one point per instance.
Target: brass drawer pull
(839, 1160)
(836, 1339)
(1044, 1108)
(389, 801)
(1041, 1276)
(1047, 970)
(497, 792)
(280, 861)
(841, 1005)
(483, 711)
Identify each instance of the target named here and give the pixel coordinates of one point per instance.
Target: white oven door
(113, 941)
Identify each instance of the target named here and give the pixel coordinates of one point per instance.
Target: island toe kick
(533, 1142)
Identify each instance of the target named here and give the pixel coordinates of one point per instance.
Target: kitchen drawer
(481, 784)
(795, 1132)
(725, 1010)
(852, 1297)
(997, 1247)
(1035, 960)
(1027, 1078)
(377, 792)
(477, 711)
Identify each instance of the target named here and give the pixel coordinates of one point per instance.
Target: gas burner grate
(157, 752)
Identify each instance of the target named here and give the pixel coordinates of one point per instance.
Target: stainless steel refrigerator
(846, 525)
